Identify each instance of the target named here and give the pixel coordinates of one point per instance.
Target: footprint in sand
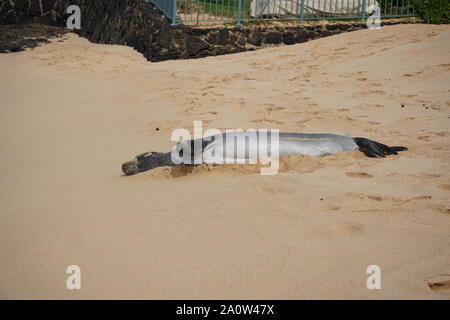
(375, 92)
(440, 283)
(440, 134)
(267, 120)
(362, 175)
(333, 208)
(346, 228)
(424, 138)
(372, 106)
(446, 66)
(412, 74)
(443, 210)
(272, 107)
(266, 190)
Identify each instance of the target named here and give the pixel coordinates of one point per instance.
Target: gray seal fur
(191, 152)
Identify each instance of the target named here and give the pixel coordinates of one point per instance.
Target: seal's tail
(375, 149)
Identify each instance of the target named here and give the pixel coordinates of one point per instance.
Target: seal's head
(145, 162)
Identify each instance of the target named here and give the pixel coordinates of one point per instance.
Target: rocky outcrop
(136, 23)
(50, 12)
(17, 37)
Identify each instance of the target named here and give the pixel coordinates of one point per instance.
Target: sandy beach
(72, 112)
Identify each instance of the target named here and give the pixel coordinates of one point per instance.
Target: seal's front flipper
(375, 149)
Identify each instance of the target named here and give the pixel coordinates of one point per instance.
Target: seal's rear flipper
(375, 149)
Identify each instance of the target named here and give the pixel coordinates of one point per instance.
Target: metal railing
(168, 7)
(196, 12)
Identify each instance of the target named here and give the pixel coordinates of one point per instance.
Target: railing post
(302, 9)
(174, 13)
(238, 20)
(363, 13)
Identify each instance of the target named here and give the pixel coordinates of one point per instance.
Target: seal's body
(250, 146)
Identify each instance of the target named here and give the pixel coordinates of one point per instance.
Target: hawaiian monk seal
(198, 151)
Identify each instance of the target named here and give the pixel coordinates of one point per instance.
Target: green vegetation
(433, 11)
